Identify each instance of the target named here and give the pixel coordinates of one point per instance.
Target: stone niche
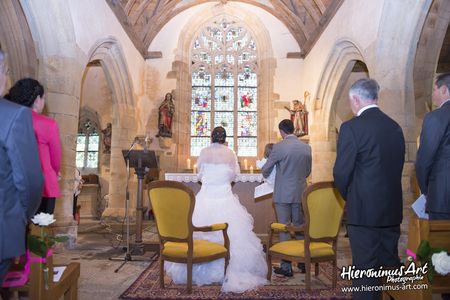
(89, 199)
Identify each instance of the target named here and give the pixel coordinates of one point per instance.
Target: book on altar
(263, 190)
(419, 207)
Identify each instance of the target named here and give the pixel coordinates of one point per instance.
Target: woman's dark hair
(25, 91)
(287, 126)
(268, 149)
(218, 135)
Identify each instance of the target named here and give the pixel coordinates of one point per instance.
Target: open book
(263, 190)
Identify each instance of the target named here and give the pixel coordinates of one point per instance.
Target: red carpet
(147, 287)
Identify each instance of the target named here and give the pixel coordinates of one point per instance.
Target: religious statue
(299, 116)
(107, 138)
(166, 111)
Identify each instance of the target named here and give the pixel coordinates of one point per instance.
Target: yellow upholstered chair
(173, 205)
(323, 207)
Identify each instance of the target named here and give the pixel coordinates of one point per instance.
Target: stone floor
(98, 242)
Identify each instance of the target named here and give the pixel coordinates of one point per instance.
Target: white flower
(441, 262)
(43, 219)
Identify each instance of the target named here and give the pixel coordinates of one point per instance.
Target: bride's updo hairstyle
(218, 135)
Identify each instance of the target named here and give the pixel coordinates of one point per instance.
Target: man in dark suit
(21, 179)
(292, 159)
(368, 172)
(433, 156)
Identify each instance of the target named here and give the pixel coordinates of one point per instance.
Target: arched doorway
(107, 66)
(345, 65)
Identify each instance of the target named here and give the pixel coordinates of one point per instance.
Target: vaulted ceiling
(143, 19)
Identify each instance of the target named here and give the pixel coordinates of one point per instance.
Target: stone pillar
(60, 71)
(123, 133)
(62, 105)
(323, 150)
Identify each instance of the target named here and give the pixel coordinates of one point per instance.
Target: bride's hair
(218, 135)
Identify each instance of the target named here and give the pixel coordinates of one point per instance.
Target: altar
(244, 186)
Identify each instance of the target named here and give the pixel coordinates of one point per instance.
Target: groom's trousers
(289, 213)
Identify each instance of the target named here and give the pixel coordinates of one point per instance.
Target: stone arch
(266, 63)
(16, 40)
(339, 66)
(109, 55)
(427, 55)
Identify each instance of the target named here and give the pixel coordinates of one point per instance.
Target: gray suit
(21, 179)
(293, 161)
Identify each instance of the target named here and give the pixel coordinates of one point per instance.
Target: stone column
(60, 71)
(123, 133)
(63, 105)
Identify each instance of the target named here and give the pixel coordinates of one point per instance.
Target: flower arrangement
(437, 258)
(42, 244)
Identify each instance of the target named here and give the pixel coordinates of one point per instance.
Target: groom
(292, 158)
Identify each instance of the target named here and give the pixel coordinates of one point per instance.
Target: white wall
(93, 20)
(357, 21)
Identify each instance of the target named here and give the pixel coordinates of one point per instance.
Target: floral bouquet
(42, 244)
(437, 258)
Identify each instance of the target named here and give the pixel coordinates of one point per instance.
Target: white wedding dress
(216, 203)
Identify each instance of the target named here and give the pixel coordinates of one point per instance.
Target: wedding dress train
(216, 203)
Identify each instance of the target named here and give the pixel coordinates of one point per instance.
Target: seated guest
(30, 93)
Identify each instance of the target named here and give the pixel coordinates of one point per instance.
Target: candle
(195, 168)
(245, 164)
(251, 169)
(188, 163)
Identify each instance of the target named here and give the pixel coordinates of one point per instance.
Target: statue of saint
(166, 111)
(299, 116)
(107, 138)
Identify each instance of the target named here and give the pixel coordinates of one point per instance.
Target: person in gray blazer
(21, 179)
(433, 156)
(292, 159)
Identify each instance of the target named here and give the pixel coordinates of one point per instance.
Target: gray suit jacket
(293, 160)
(21, 179)
(433, 160)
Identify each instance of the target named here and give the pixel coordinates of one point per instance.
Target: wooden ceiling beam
(311, 11)
(129, 6)
(320, 5)
(129, 29)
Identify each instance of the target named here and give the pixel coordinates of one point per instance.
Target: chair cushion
(297, 247)
(201, 249)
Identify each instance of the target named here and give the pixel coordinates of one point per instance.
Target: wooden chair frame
(189, 260)
(304, 228)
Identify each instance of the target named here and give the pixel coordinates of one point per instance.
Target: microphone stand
(128, 256)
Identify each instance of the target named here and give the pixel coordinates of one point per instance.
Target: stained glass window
(87, 146)
(224, 86)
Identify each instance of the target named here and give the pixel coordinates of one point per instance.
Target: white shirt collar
(365, 108)
(290, 135)
(444, 102)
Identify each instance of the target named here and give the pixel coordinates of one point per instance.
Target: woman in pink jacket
(30, 92)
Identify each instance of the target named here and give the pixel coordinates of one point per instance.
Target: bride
(216, 203)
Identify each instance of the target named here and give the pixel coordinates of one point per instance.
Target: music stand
(141, 161)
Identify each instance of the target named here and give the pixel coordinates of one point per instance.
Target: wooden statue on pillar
(299, 116)
(165, 117)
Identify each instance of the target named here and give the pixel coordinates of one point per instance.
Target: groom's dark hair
(287, 126)
(218, 135)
